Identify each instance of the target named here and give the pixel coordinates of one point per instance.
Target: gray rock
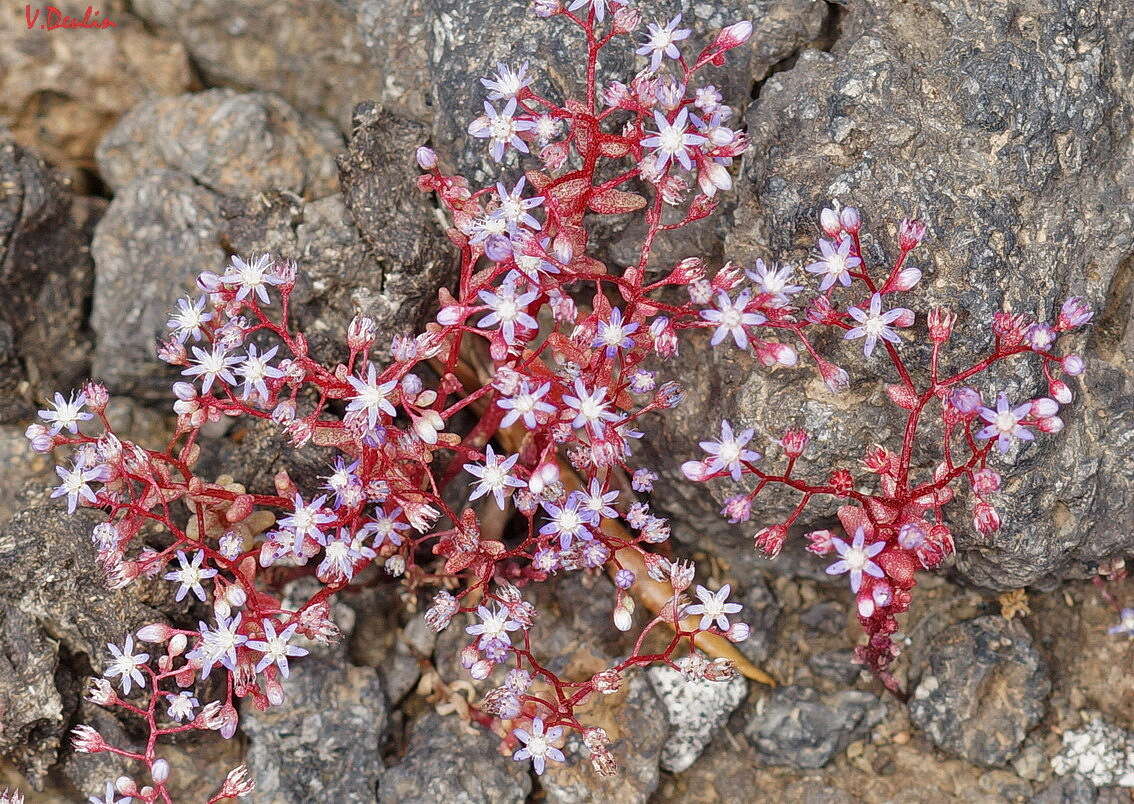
(237, 144)
(45, 281)
(826, 617)
(982, 687)
(21, 465)
(1008, 133)
(445, 762)
(157, 235)
(462, 47)
(797, 726)
(761, 612)
(311, 53)
(836, 665)
(322, 743)
(55, 605)
(1072, 790)
(696, 711)
(48, 570)
(33, 709)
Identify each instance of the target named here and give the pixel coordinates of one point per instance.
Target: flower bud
(819, 542)
(97, 396)
(159, 770)
(157, 632)
(361, 333)
(834, 377)
(626, 20)
(451, 315)
(40, 438)
(86, 740)
(426, 158)
(829, 222)
(1044, 407)
(1073, 365)
(624, 578)
(738, 632)
(736, 34)
(1060, 392)
(966, 400)
(623, 614)
(906, 279)
(850, 219)
(177, 645)
(694, 470)
(1050, 424)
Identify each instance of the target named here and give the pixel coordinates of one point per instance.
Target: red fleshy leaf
(615, 202)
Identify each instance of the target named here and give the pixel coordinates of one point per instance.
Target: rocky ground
(133, 158)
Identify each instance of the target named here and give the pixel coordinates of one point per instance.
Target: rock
(60, 92)
(696, 711)
(797, 726)
(33, 716)
(837, 665)
(236, 144)
(982, 687)
(311, 53)
(635, 723)
(449, 761)
(826, 617)
(462, 47)
(936, 111)
(48, 571)
(45, 281)
(1072, 790)
(55, 602)
(395, 36)
(156, 236)
(761, 612)
(322, 743)
(21, 465)
(1100, 752)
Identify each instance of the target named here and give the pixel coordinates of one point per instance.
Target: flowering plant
(896, 525)
(523, 399)
(518, 399)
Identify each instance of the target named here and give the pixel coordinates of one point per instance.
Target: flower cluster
(493, 452)
(895, 523)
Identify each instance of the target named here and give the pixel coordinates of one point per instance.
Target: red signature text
(53, 18)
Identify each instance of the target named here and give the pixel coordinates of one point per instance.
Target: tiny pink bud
(1074, 365)
(1060, 392)
(426, 158)
(736, 34)
(905, 316)
(694, 470)
(157, 632)
(159, 770)
(97, 396)
(1050, 424)
(906, 279)
(627, 20)
(770, 540)
(850, 219)
(829, 222)
(795, 442)
(1044, 407)
(819, 542)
